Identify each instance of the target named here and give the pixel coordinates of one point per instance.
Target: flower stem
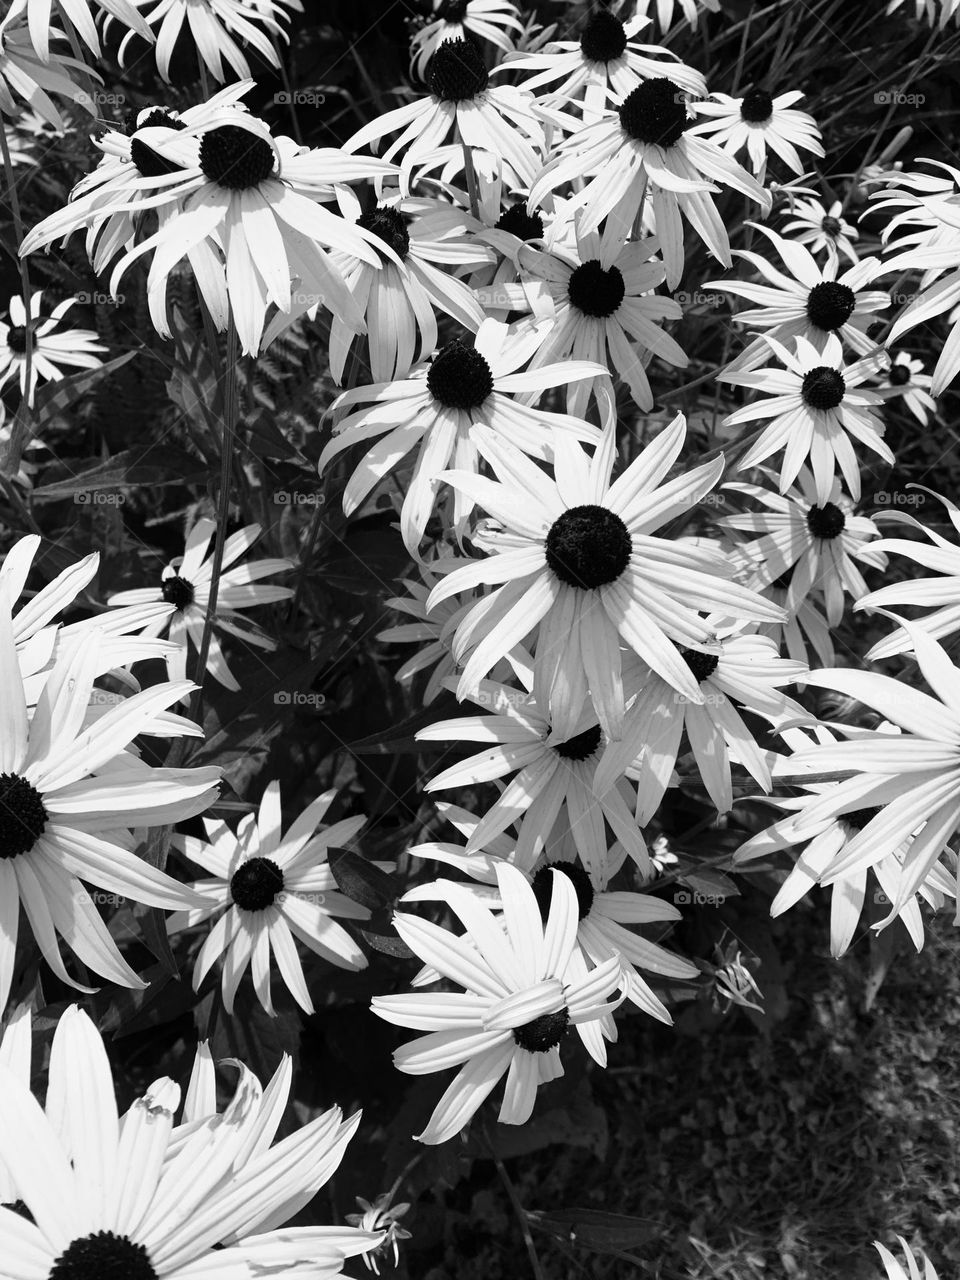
(229, 436)
(19, 431)
(518, 1210)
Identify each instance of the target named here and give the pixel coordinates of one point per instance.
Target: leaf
(710, 882)
(55, 397)
(595, 1229)
(399, 736)
(389, 945)
(153, 465)
(581, 1123)
(362, 880)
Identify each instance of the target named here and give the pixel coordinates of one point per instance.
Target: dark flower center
(452, 10)
(457, 71)
(701, 665)
(390, 226)
(857, 819)
(149, 163)
(588, 547)
(523, 225)
(823, 387)
(830, 305)
(103, 1256)
(459, 377)
(255, 884)
(899, 374)
(595, 291)
(604, 38)
(826, 521)
(235, 158)
(17, 339)
(581, 746)
(177, 591)
(22, 815)
(756, 107)
(542, 885)
(831, 226)
(655, 113)
(543, 1033)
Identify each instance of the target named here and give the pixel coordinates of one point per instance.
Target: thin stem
(19, 431)
(519, 1211)
(223, 509)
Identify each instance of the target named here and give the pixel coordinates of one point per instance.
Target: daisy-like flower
(758, 123)
(689, 9)
(943, 556)
(644, 148)
(26, 78)
(490, 20)
(77, 17)
(516, 1005)
(906, 378)
(456, 408)
(67, 800)
(54, 348)
(130, 179)
(250, 221)
(911, 778)
(823, 845)
(180, 601)
(267, 888)
(497, 119)
(893, 1268)
(816, 403)
(133, 1196)
(601, 911)
(743, 669)
(577, 556)
(815, 304)
(398, 297)
(815, 543)
(217, 27)
(822, 230)
(427, 630)
(604, 308)
(553, 774)
(603, 66)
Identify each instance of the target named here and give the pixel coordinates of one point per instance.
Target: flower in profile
(26, 78)
(69, 795)
(816, 304)
(602, 913)
(942, 594)
(77, 18)
(643, 148)
(491, 20)
(265, 889)
(384, 1216)
(216, 27)
(806, 546)
(603, 66)
(689, 9)
(515, 1007)
(456, 409)
(817, 408)
(144, 1199)
(578, 558)
(819, 847)
(910, 779)
(743, 671)
(552, 776)
(758, 122)
(906, 378)
(604, 306)
(180, 600)
(497, 119)
(894, 1269)
(822, 230)
(54, 348)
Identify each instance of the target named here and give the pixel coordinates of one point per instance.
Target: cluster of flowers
(541, 225)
